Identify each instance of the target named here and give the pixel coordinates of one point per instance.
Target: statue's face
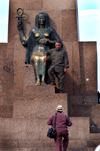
(42, 19)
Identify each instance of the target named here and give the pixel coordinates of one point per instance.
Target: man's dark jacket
(59, 59)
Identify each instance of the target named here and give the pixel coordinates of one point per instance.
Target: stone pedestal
(28, 128)
(25, 124)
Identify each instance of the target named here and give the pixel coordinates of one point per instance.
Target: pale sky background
(88, 23)
(4, 20)
(88, 20)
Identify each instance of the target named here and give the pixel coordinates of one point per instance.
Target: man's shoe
(60, 92)
(52, 84)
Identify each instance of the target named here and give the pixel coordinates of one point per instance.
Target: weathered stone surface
(95, 136)
(69, 75)
(80, 128)
(19, 57)
(39, 89)
(56, 21)
(6, 111)
(76, 69)
(73, 76)
(85, 110)
(80, 110)
(91, 148)
(69, 25)
(90, 67)
(6, 72)
(38, 105)
(78, 149)
(58, 5)
(28, 77)
(95, 110)
(77, 143)
(28, 5)
(82, 99)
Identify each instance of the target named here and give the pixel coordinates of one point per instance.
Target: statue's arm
(21, 33)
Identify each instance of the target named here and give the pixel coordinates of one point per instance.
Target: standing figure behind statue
(41, 39)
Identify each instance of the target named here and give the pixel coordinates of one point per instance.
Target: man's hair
(60, 111)
(58, 41)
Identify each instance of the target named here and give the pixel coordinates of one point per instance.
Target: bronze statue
(41, 38)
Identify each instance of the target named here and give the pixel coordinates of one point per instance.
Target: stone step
(44, 148)
(80, 110)
(95, 125)
(95, 109)
(29, 76)
(92, 111)
(82, 99)
(23, 133)
(78, 149)
(48, 89)
(94, 136)
(27, 130)
(29, 149)
(83, 143)
(80, 128)
(81, 149)
(27, 145)
(38, 105)
(85, 110)
(24, 130)
(86, 106)
(29, 82)
(91, 148)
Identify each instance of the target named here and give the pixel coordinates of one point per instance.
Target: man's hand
(45, 58)
(65, 70)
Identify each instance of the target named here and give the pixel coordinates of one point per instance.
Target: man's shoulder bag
(51, 131)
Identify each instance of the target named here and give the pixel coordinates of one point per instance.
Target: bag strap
(55, 120)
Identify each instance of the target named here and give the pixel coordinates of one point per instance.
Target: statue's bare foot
(43, 83)
(36, 84)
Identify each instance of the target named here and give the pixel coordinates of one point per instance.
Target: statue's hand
(43, 41)
(20, 25)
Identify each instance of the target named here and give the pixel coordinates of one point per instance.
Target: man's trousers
(60, 75)
(61, 145)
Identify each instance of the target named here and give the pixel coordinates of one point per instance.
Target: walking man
(62, 121)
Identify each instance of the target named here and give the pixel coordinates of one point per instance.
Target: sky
(4, 20)
(88, 4)
(88, 20)
(88, 24)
